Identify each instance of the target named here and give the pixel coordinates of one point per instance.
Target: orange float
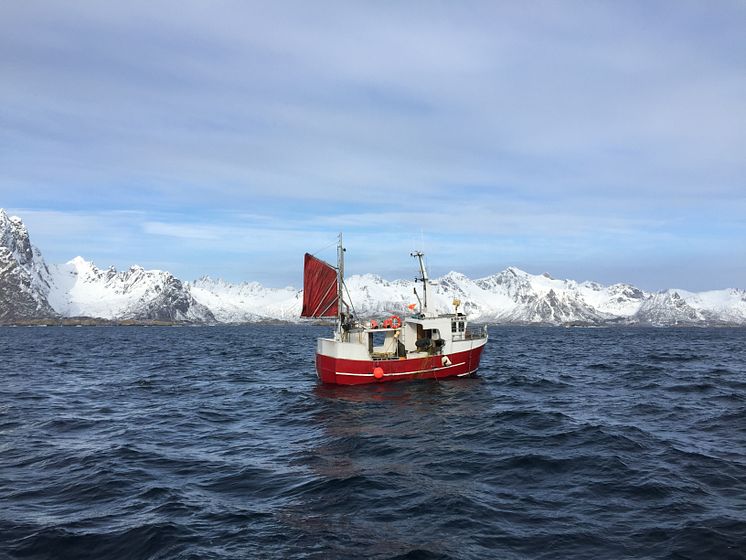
(395, 321)
(378, 372)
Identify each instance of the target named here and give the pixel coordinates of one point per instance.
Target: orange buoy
(374, 324)
(378, 372)
(395, 321)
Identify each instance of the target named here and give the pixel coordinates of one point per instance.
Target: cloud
(520, 125)
(276, 97)
(181, 231)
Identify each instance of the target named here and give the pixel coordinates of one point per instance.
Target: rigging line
(327, 308)
(352, 305)
(328, 291)
(324, 249)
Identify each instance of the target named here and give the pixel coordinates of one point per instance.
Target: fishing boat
(425, 345)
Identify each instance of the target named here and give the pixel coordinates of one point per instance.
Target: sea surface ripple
(218, 442)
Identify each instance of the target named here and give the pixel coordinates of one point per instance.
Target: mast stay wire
(349, 297)
(324, 249)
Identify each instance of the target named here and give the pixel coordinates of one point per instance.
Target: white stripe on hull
(429, 370)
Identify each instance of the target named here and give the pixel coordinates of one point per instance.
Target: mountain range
(32, 290)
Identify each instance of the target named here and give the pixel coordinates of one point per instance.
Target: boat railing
(473, 333)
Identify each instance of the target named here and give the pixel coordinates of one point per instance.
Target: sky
(597, 141)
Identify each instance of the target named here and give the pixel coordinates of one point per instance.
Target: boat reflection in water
(381, 473)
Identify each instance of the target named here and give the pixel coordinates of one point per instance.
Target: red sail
(319, 288)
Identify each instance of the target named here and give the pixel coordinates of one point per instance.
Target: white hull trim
(429, 370)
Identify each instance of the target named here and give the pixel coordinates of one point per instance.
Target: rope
(324, 249)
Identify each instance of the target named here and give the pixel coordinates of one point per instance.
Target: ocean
(219, 442)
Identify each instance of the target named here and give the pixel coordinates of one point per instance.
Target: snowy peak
(668, 308)
(247, 301)
(14, 237)
(24, 277)
(511, 281)
(82, 289)
(83, 268)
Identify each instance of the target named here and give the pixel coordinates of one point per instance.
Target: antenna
(424, 279)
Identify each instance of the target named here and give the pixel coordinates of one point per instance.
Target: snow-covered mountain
(247, 302)
(30, 289)
(24, 277)
(511, 296)
(79, 288)
(517, 297)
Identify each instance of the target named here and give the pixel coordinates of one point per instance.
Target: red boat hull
(338, 371)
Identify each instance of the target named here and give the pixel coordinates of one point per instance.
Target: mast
(340, 281)
(424, 279)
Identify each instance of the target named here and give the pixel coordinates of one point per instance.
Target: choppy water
(219, 443)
